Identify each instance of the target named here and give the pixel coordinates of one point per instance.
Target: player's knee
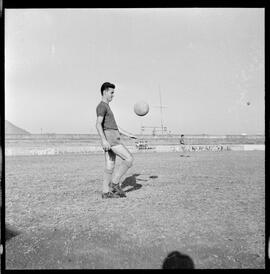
(109, 169)
(129, 161)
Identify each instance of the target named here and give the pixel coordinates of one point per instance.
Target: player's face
(110, 94)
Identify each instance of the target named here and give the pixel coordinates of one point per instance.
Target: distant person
(176, 260)
(112, 145)
(182, 142)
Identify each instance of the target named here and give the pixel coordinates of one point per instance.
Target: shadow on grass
(132, 181)
(153, 177)
(177, 260)
(10, 232)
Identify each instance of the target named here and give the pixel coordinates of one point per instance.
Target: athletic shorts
(112, 136)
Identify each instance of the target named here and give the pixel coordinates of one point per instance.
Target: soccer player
(182, 142)
(112, 145)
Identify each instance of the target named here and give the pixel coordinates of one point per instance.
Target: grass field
(208, 205)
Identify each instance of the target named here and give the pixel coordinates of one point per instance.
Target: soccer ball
(141, 108)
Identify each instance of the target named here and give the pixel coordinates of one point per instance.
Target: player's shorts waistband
(113, 136)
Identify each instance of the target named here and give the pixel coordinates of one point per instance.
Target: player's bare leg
(121, 151)
(107, 176)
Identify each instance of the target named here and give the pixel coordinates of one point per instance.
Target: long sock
(118, 174)
(107, 177)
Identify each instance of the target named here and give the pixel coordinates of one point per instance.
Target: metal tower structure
(161, 107)
(156, 129)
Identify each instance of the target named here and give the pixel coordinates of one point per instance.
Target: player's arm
(106, 146)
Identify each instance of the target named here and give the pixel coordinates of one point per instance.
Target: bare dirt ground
(208, 205)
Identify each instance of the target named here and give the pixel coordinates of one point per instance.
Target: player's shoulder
(101, 109)
(101, 104)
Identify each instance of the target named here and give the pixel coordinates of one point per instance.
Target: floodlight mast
(161, 107)
(161, 118)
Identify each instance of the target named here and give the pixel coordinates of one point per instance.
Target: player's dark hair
(105, 86)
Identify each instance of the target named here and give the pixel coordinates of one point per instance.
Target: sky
(203, 65)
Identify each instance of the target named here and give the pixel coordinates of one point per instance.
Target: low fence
(58, 144)
(93, 139)
(63, 150)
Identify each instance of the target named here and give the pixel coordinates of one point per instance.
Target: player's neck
(105, 100)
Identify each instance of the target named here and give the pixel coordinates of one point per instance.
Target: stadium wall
(58, 144)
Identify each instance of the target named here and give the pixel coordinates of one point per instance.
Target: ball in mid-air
(248, 103)
(141, 108)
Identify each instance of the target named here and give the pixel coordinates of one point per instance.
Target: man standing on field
(112, 145)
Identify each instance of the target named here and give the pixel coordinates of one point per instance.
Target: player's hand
(105, 145)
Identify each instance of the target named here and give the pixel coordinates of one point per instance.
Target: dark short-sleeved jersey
(104, 110)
